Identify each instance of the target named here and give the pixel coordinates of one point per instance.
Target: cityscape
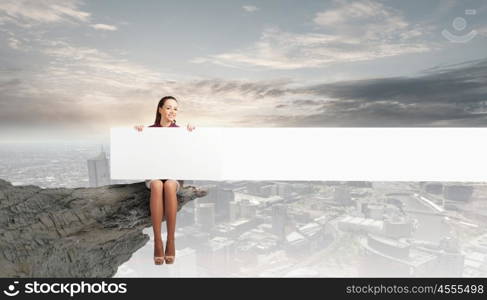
(291, 229)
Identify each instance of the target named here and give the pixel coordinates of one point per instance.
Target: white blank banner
(372, 154)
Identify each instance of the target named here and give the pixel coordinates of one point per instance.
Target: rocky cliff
(79, 232)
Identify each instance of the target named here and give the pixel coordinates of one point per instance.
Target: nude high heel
(170, 258)
(159, 260)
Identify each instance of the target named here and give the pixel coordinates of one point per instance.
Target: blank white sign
(372, 154)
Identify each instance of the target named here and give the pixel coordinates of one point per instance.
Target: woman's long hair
(157, 122)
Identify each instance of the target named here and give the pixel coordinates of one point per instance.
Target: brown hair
(163, 100)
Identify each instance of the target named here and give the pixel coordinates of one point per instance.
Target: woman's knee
(171, 184)
(156, 185)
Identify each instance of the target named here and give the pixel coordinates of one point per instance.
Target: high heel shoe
(159, 260)
(170, 258)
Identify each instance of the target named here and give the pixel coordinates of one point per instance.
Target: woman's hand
(139, 127)
(190, 127)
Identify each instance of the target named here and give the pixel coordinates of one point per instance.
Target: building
(314, 233)
(268, 190)
(279, 218)
(248, 209)
(222, 205)
(205, 216)
(99, 170)
(186, 265)
(342, 195)
(384, 256)
(296, 244)
(433, 187)
(284, 189)
(359, 225)
(221, 256)
(374, 210)
(398, 227)
(302, 188)
(254, 187)
(212, 196)
(458, 192)
(234, 211)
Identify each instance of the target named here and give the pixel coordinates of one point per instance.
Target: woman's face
(169, 110)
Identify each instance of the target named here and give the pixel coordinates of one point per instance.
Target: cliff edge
(74, 232)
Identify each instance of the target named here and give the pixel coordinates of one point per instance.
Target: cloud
(250, 8)
(30, 13)
(84, 86)
(283, 50)
(355, 12)
(449, 96)
(98, 93)
(79, 86)
(13, 43)
(342, 37)
(26, 13)
(104, 27)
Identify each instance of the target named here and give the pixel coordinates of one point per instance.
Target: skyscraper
(205, 216)
(279, 212)
(222, 205)
(99, 170)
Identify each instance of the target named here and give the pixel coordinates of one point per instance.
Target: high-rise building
(222, 205)
(212, 196)
(99, 170)
(284, 189)
(248, 210)
(253, 187)
(234, 211)
(205, 216)
(279, 216)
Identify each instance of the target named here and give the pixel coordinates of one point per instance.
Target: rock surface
(74, 232)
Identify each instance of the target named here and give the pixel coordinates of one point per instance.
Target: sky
(71, 70)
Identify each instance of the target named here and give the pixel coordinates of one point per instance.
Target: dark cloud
(454, 96)
(300, 103)
(307, 102)
(448, 96)
(465, 84)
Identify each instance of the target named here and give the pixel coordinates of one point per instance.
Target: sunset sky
(72, 69)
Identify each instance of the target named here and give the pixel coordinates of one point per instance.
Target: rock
(78, 232)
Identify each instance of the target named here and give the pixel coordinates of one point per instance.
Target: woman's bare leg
(171, 205)
(157, 211)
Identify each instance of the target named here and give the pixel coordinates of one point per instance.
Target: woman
(163, 191)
